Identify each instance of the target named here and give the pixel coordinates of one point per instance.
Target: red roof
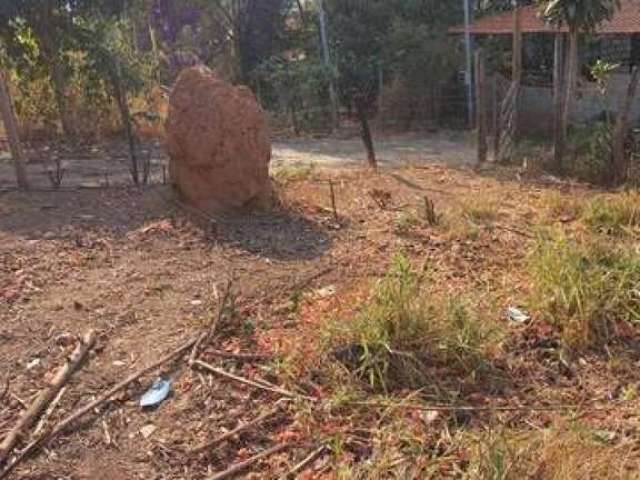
(625, 21)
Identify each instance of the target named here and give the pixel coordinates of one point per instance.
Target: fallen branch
(5, 390)
(45, 397)
(263, 385)
(64, 424)
(49, 412)
(243, 357)
(241, 428)
(308, 460)
(242, 466)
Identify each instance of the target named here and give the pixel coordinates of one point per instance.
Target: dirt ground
(142, 270)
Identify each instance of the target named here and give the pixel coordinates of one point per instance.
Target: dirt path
(107, 164)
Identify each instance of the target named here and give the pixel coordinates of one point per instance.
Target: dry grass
(613, 214)
(563, 451)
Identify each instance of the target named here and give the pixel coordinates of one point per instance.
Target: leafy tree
(579, 16)
(359, 31)
(419, 52)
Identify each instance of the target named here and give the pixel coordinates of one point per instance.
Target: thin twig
(485, 408)
(217, 320)
(308, 460)
(241, 428)
(262, 385)
(242, 357)
(65, 423)
(242, 466)
(298, 285)
(196, 346)
(333, 201)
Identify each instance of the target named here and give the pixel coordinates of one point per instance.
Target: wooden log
(47, 395)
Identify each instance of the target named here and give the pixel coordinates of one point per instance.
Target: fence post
(495, 112)
(481, 108)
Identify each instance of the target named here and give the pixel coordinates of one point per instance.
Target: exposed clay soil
(141, 270)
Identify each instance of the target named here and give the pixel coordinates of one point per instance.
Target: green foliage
(591, 146)
(300, 86)
(401, 330)
(584, 15)
(586, 288)
(616, 214)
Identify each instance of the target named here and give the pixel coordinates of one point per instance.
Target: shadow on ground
(278, 235)
(116, 212)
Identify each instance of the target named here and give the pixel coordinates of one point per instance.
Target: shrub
(401, 330)
(592, 152)
(616, 214)
(585, 288)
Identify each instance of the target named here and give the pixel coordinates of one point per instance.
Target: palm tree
(579, 16)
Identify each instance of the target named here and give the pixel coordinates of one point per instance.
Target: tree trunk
(11, 127)
(570, 81)
(622, 128)
(365, 133)
(516, 67)
(59, 89)
(481, 108)
(125, 115)
(559, 135)
(50, 50)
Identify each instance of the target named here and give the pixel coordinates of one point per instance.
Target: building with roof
(616, 41)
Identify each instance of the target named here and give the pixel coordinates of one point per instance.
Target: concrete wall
(536, 104)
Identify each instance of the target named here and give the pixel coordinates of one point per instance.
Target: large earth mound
(218, 143)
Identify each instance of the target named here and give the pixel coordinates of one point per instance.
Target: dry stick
(225, 436)
(49, 412)
(45, 397)
(60, 427)
(242, 466)
(263, 385)
(6, 389)
(299, 285)
(242, 357)
(213, 325)
(196, 346)
(333, 201)
(313, 456)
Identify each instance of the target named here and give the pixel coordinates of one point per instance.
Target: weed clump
(615, 215)
(401, 331)
(588, 288)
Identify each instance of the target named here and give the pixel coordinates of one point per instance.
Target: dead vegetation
(359, 338)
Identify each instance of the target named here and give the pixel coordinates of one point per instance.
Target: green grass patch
(586, 288)
(402, 330)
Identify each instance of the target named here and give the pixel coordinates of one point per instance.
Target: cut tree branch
(46, 396)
